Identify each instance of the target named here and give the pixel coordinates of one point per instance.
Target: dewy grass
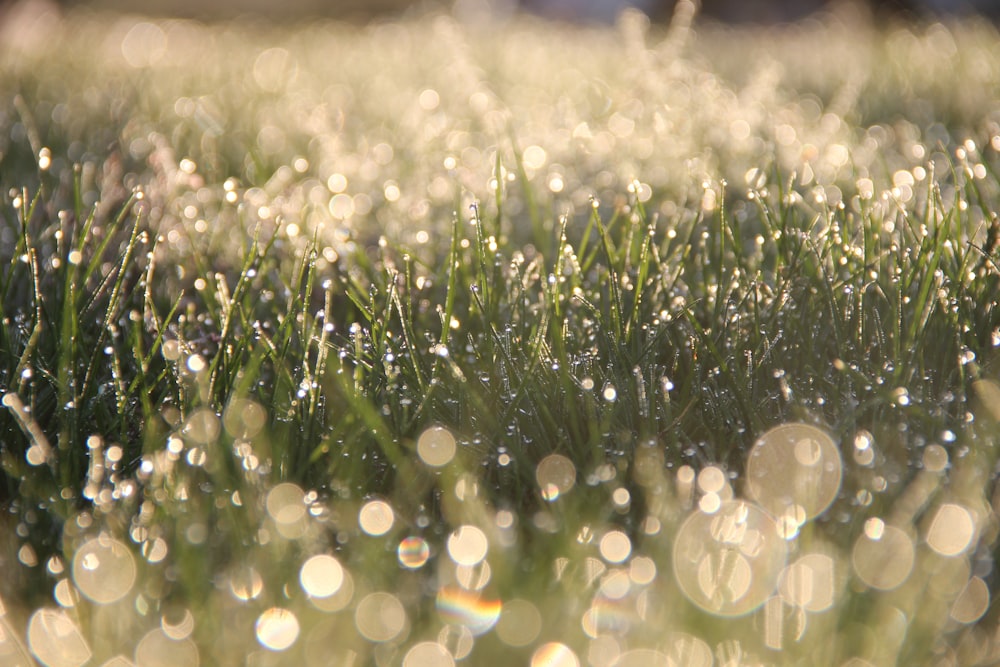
(551, 345)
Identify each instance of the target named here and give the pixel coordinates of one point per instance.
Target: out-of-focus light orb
(56, 640)
(520, 623)
(554, 654)
(935, 458)
(809, 583)
(728, 563)
(473, 578)
(178, 626)
(468, 545)
(246, 584)
(321, 576)
(380, 617)
(711, 479)
(883, 555)
(684, 650)
(642, 570)
(555, 475)
(615, 546)
(104, 569)
(428, 654)
(952, 530)
(340, 599)
(436, 446)
(286, 504)
(972, 603)
(472, 610)
(794, 464)
(277, 629)
(156, 649)
(376, 518)
(413, 552)
(644, 657)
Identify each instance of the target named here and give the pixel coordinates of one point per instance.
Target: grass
(316, 351)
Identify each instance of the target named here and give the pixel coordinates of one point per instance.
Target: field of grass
(427, 344)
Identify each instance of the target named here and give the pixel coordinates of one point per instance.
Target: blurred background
(593, 11)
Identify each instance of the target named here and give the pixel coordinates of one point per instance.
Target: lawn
(428, 343)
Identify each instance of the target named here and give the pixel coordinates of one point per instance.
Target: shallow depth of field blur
(440, 340)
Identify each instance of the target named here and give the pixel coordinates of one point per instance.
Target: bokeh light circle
(794, 464)
(468, 545)
(555, 475)
(104, 569)
(413, 552)
(972, 603)
(809, 583)
(519, 624)
(952, 530)
(376, 518)
(380, 617)
(615, 546)
(728, 563)
(321, 576)
(156, 649)
(428, 654)
(436, 447)
(277, 629)
(554, 654)
(56, 640)
(883, 555)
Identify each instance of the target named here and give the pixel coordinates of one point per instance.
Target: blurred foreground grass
(423, 343)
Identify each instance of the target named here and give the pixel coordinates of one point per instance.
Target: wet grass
(313, 350)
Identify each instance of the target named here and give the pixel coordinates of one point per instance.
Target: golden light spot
(428, 654)
(883, 556)
(520, 623)
(809, 583)
(615, 546)
(104, 569)
(555, 475)
(413, 552)
(642, 570)
(645, 657)
(156, 649)
(321, 576)
(711, 480)
(65, 593)
(467, 545)
(687, 650)
(709, 503)
(286, 504)
(277, 629)
(952, 530)
(554, 654)
(339, 600)
(246, 584)
(56, 640)
(534, 157)
(728, 563)
(178, 628)
(376, 518)
(794, 464)
(436, 446)
(935, 458)
(473, 578)
(244, 418)
(972, 603)
(380, 617)
(874, 527)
